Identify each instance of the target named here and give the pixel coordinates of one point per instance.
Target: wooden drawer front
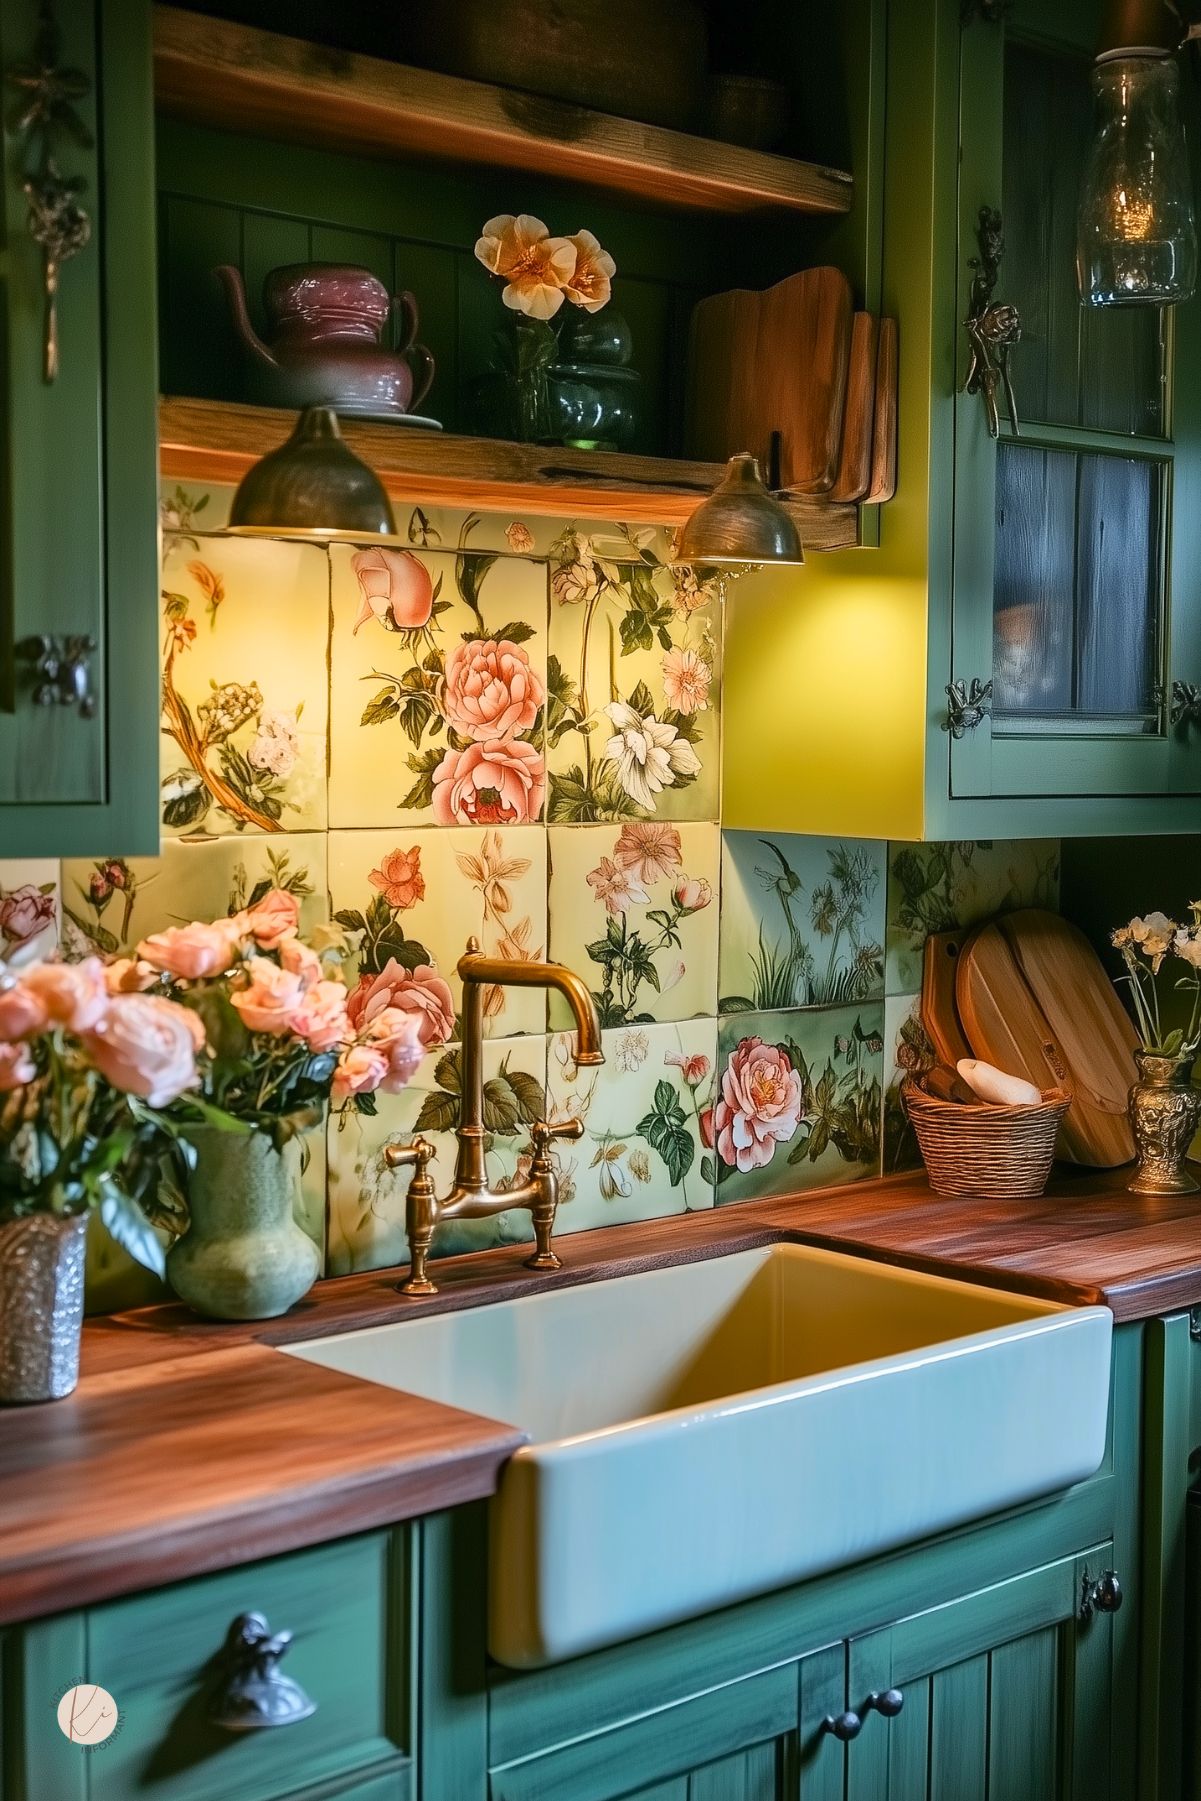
(347, 1605)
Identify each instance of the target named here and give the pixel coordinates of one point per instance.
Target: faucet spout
(487, 972)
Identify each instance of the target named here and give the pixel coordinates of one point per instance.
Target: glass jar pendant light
(1136, 241)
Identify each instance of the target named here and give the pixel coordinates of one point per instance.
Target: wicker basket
(981, 1152)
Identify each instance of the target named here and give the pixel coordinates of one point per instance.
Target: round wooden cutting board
(1034, 999)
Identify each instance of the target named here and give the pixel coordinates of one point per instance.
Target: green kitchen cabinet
(78, 507)
(1171, 1630)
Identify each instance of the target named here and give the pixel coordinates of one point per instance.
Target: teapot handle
(421, 361)
(406, 317)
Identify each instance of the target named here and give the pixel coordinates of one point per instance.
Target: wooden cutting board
(854, 476)
(940, 1015)
(769, 361)
(884, 424)
(1035, 1000)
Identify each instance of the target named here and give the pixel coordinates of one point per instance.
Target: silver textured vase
(1165, 1110)
(41, 1305)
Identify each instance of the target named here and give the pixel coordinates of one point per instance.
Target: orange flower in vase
(535, 267)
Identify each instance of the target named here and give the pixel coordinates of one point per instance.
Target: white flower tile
(366, 1227)
(802, 921)
(437, 683)
(634, 910)
(642, 1155)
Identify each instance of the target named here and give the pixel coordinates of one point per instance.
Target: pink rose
(300, 961)
(22, 1012)
(26, 913)
(128, 975)
(270, 1000)
(361, 1068)
(705, 1122)
(501, 782)
(146, 1045)
(16, 1067)
(321, 1016)
(188, 951)
(273, 919)
(73, 994)
(393, 584)
(397, 1036)
(420, 991)
(692, 893)
(759, 1105)
(490, 690)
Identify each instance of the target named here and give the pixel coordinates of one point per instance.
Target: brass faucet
(470, 1197)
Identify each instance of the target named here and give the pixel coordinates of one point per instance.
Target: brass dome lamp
(740, 526)
(312, 487)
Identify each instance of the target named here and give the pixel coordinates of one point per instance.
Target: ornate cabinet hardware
(1186, 703)
(253, 1692)
(44, 116)
(992, 326)
(61, 671)
(1104, 1595)
(968, 704)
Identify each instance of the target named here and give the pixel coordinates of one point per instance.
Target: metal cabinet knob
(1102, 1596)
(253, 1693)
(887, 1701)
(843, 1726)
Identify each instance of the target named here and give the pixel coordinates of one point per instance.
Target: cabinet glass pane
(1076, 589)
(1097, 367)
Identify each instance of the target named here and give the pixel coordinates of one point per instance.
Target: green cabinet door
(1076, 542)
(1004, 1695)
(78, 543)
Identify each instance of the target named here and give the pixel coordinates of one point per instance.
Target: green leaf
(439, 1112)
(665, 1099)
(128, 1226)
(410, 953)
(383, 707)
(502, 1109)
(669, 1135)
(448, 1073)
(416, 711)
(365, 1103)
(571, 801)
(636, 634)
(735, 1003)
(187, 808)
(421, 794)
(517, 632)
(351, 918)
(708, 1171)
(531, 1095)
(97, 934)
(641, 699)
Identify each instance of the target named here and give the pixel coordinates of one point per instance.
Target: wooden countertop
(191, 1446)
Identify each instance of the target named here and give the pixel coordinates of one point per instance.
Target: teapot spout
(235, 292)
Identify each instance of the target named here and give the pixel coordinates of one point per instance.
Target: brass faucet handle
(542, 1133)
(418, 1155)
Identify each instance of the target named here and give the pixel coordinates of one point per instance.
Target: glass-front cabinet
(1077, 528)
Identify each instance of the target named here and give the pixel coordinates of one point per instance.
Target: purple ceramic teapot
(326, 330)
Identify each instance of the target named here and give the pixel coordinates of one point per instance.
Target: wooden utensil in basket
(974, 1151)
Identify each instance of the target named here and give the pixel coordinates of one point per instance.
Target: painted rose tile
(29, 908)
(633, 909)
(942, 887)
(802, 921)
(437, 686)
(798, 1101)
(245, 685)
(643, 1152)
(366, 1227)
(907, 1051)
(632, 680)
(411, 898)
(109, 903)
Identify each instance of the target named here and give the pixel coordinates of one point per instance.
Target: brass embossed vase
(243, 1256)
(41, 1305)
(1164, 1112)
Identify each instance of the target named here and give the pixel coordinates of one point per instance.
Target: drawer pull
(843, 1726)
(254, 1692)
(1102, 1596)
(888, 1702)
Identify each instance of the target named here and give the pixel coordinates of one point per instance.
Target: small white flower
(633, 1048)
(1188, 946)
(276, 745)
(649, 754)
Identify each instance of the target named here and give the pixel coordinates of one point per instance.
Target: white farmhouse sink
(707, 1432)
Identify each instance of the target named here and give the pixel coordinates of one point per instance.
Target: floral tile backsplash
(510, 729)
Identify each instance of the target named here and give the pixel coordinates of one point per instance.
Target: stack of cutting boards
(1028, 993)
(797, 360)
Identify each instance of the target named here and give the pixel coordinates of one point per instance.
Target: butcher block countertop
(192, 1446)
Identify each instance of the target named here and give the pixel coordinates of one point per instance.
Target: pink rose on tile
(396, 1035)
(394, 587)
(360, 1070)
(73, 994)
(650, 850)
(189, 951)
(759, 1105)
(490, 690)
(420, 992)
(320, 1019)
(270, 999)
(705, 1123)
(26, 913)
(16, 1067)
(399, 878)
(272, 919)
(519, 537)
(499, 782)
(22, 1012)
(617, 886)
(146, 1045)
(692, 894)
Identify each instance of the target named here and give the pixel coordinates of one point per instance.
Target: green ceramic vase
(243, 1256)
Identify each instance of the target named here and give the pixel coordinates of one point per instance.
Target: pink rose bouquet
(87, 1068)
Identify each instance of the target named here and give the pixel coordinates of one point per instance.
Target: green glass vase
(243, 1256)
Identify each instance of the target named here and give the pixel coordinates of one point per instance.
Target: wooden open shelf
(243, 79)
(208, 440)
